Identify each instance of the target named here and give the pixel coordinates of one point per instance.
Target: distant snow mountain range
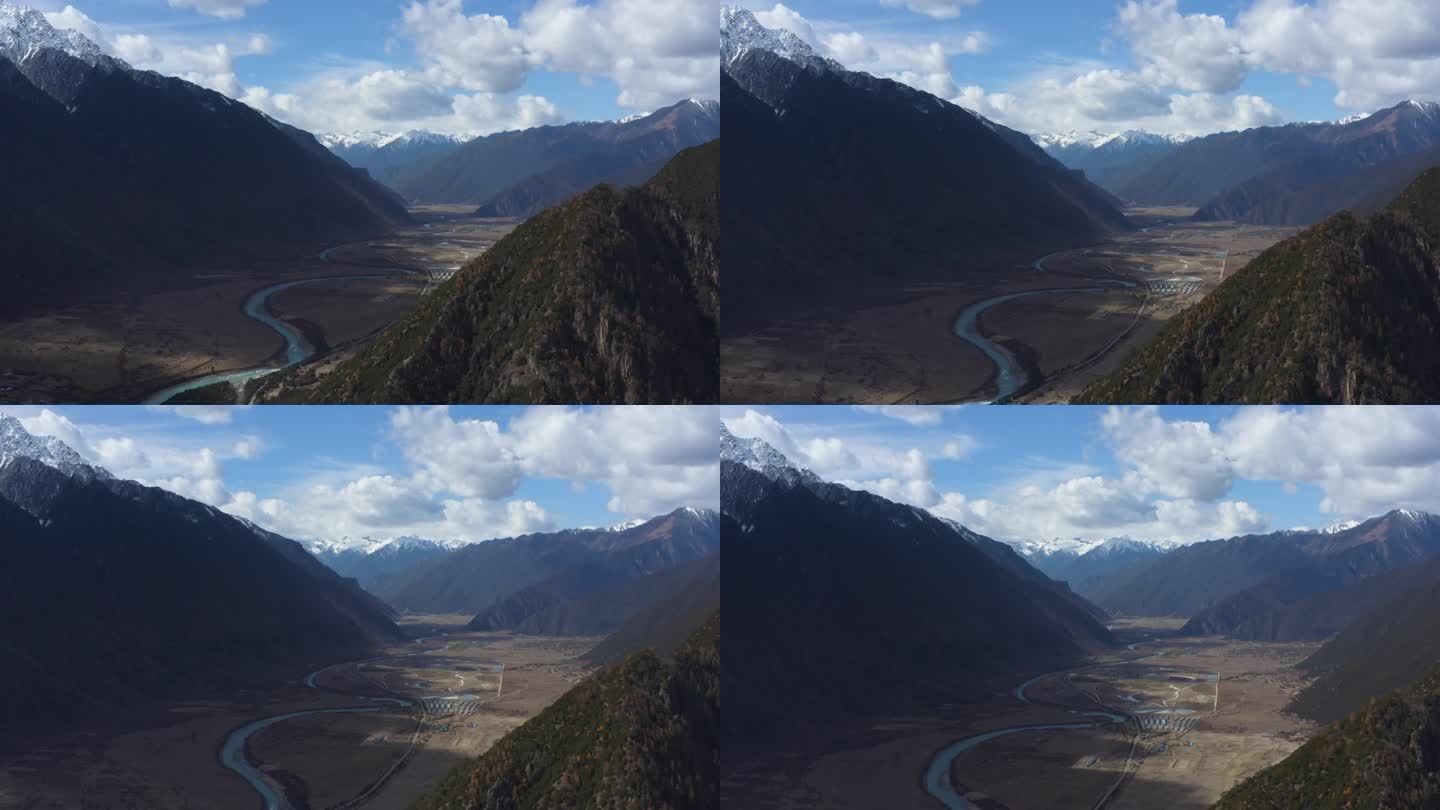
(1114, 141)
(392, 546)
(380, 140)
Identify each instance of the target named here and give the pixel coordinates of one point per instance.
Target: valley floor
(905, 345)
(128, 345)
(1197, 716)
(379, 759)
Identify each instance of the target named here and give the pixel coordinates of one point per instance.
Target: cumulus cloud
(465, 71)
(460, 478)
(937, 9)
(1173, 478)
(224, 9)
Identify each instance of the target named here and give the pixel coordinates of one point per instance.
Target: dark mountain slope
(1347, 312)
(1324, 589)
(395, 163)
(1385, 755)
(845, 178)
(1085, 573)
(626, 162)
(1252, 174)
(1191, 578)
(591, 600)
(135, 176)
(522, 172)
(1116, 163)
(477, 577)
(371, 568)
(148, 595)
(675, 601)
(644, 733)
(1306, 193)
(612, 297)
(1386, 648)
(840, 590)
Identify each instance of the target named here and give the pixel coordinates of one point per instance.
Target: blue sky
(1038, 473)
(1174, 66)
(318, 472)
(466, 67)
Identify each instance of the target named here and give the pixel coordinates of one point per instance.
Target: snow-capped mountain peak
(762, 458)
(1064, 140)
(1122, 545)
(17, 442)
(380, 140)
(25, 32)
(1428, 108)
(741, 32)
(1092, 140)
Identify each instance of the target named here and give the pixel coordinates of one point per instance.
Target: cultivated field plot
(384, 759)
(126, 345)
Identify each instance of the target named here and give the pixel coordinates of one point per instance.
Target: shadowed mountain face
(1326, 587)
(396, 161)
(670, 603)
(638, 150)
(610, 298)
(1385, 754)
(547, 579)
(522, 173)
(842, 590)
(131, 176)
(371, 567)
(130, 593)
(1347, 312)
(1086, 573)
(643, 733)
(842, 178)
(1268, 587)
(1285, 175)
(1394, 640)
(1116, 162)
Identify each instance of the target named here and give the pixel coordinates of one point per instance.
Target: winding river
(1009, 374)
(938, 780)
(232, 754)
(937, 777)
(297, 348)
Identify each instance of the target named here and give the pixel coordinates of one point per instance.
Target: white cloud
(224, 9)
(1193, 52)
(460, 478)
(782, 16)
(465, 70)
(1173, 478)
(75, 19)
(917, 415)
(936, 9)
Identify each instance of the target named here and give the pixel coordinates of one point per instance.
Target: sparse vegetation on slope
(641, 734)
(612, 297)
(1386, 755)
(1345, 313)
